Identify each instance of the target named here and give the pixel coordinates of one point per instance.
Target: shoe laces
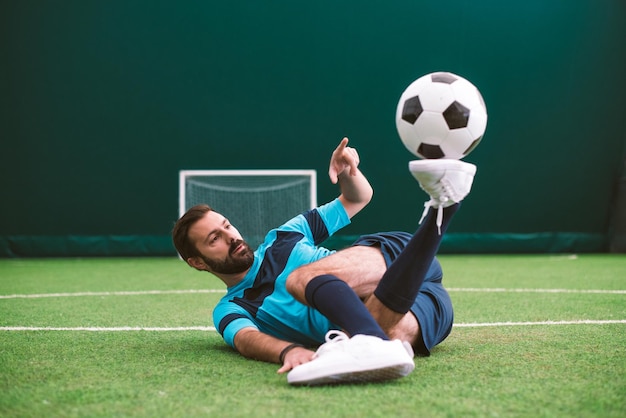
(443, 189)
(334, 338)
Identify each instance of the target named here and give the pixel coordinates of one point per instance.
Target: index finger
(342, 145)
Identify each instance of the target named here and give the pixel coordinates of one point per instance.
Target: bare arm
(256, 345)
(356, 191)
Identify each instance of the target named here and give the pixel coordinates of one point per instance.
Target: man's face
(223, 250)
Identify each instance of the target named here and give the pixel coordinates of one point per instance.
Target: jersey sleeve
(320, 223)
(229, 319)
(334, 216)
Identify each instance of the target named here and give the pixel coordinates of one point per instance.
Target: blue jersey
(261, 300)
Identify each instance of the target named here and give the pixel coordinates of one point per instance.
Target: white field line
(212, 329)
(192, 291)
(504, 290)
(120, 293)
(108, 329)
(524, 324)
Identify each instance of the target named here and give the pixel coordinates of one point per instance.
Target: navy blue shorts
(432, 306)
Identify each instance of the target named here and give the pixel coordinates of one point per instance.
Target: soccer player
(367, 307)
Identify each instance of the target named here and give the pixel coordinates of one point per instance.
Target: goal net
(255, 201)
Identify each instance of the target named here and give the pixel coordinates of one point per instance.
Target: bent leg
(360, 266)
(336, 286)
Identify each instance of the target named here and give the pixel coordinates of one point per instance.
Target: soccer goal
(255, 201)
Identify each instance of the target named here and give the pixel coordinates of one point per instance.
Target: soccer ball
(441, 115)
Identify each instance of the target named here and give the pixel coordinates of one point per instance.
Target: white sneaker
(362, 358)
(446, 181)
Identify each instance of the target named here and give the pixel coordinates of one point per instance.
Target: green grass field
(535, 336)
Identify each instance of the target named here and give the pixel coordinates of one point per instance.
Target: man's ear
(197, 263)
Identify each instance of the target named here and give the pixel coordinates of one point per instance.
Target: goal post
(255, 201)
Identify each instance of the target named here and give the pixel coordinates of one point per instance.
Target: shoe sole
(420, 166)
(360, 376)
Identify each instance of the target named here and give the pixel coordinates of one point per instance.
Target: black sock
(401, 282)
(342, 306)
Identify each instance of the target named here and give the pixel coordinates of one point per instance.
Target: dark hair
(180, 233)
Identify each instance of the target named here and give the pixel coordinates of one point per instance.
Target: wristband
(281, 356)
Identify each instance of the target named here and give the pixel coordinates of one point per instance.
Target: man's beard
(233, 264)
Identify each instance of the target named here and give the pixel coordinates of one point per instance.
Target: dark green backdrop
(102, 102)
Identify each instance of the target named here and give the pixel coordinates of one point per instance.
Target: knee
(296, 284)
